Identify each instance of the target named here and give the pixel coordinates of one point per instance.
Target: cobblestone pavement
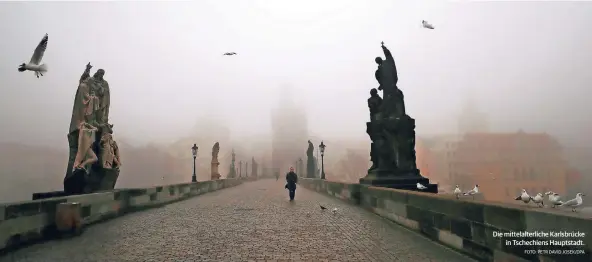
(251, 222)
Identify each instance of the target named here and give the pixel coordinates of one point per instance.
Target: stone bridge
(254, 221)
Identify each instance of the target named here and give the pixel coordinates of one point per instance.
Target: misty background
(524, 63)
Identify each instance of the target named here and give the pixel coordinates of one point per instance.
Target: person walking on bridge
(291, 180)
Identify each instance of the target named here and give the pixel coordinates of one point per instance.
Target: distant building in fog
(505, 163)
(289, 134)
(433, 157)
(472, 119)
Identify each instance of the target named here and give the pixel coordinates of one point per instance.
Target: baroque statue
(232, 171)
(254, 167)
(310, 161)
(387, 77)
(215, 163)
(94, 159)
(392, 132)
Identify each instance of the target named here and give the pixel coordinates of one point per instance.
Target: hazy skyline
(525, 63)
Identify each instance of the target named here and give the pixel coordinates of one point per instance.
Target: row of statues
(232, 172)
(94, 158)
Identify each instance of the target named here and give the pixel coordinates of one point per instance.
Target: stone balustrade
(468, 225)
(29, 221)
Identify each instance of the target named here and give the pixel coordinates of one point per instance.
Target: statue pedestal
(393, 152)
(398, 180)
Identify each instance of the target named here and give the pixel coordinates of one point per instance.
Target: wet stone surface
(250, 222)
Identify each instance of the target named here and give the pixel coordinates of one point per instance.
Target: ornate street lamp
(194, 152)
(322, 148)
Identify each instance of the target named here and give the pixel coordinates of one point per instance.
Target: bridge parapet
(29, 221)
(467, 225)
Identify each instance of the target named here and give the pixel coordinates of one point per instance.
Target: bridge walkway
(251, 222)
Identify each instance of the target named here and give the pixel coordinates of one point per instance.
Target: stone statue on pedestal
(310, 161)
(215, 163)
(232, 172)
(392, 132)
(254, 167)
(94, 159)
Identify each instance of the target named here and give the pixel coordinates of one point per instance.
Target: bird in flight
(35, 63)
(427, 25)
(230, 53)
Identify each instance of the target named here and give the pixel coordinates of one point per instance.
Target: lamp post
(322, 148)
(194, 152)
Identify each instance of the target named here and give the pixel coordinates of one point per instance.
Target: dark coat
(291, 180)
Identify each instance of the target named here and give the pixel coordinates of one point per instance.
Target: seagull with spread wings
(427, 25)
(230, 53)
(35, 63)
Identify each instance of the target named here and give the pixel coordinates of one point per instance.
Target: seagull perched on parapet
(34, 65)
(457, 191)
(576, 202)
(421, 187)
(230, 53)
(554, 199)
(427, 25)
(472, 192)
(538, 199)
(524, 197)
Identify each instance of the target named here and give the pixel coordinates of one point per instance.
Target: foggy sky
(527, 64)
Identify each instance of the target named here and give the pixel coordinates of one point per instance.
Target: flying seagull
(427, 25)
(34, 65)
(230, 53)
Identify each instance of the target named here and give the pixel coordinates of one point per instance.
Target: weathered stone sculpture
(94, 159)
(254, 167)
(300, 167)
(215, 163)
(310, 161)
(232, 172)
(392, 132)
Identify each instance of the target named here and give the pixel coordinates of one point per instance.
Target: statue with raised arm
(386, 73)
(387, 77)
(89, 136)
(392, 133)
(86, 73)
(101, 87)
(85, 103)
